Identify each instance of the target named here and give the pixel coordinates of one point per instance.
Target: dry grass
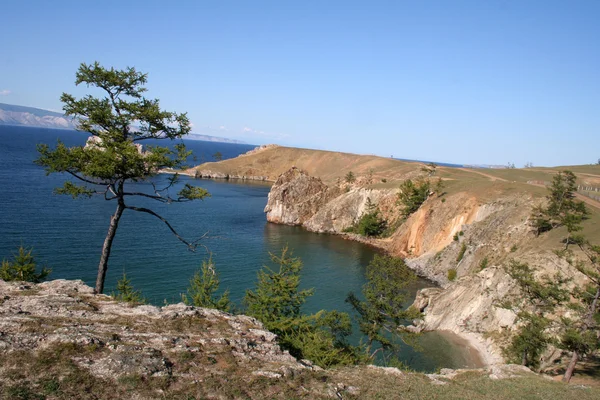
(52, 374)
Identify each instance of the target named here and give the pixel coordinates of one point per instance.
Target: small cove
(67, 236)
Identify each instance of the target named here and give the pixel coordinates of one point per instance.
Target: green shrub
(371, 224)
(350, 178)
(125, 292)
(461, 253)
(383, 303)
(276, 302)
(484, 263)
(203, 287)
(412, 195)
(455, 237)
(22, 268)
(513, 248)
(383, 180)
(451, 274)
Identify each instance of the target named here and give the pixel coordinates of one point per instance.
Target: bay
(67, 236)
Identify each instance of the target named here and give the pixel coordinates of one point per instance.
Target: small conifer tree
(203, 287)
(126, 292)
(22, 268)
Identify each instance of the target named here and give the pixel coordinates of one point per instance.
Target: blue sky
(452, 81)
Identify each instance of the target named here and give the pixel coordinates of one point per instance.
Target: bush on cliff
(22, 268)
(371, 223)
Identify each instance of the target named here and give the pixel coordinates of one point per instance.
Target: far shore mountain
(15, 115)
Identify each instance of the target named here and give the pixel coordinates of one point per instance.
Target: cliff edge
(60, 341)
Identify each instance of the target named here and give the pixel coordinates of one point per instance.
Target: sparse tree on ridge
(562, 208)
(113, 157)
(579, 330)
(350, 177)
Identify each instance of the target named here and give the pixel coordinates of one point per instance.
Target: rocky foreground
(60, 341)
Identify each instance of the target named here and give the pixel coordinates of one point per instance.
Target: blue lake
(67, 236)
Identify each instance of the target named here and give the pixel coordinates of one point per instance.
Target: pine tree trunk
(112, 230)
(571, 367)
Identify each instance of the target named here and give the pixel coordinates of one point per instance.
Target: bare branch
(150, 196)
(191, 245)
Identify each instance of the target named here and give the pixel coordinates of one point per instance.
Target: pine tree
(22, 268)
(385, 295)
(126, 292)
(113, 158)
(562, 208)
(276, 302)
(203, 287)
(540, 298)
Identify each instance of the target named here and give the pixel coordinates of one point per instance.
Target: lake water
(67, 236)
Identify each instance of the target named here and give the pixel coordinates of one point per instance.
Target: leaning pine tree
(113, 157)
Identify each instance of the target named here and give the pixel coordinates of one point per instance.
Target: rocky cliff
(456, 231)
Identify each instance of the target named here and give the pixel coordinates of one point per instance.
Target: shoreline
(472, 343)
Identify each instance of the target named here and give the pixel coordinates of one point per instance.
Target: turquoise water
(67, 236)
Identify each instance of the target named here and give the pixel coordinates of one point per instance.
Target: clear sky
(481, 81)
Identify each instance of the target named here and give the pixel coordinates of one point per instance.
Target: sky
(473, 82)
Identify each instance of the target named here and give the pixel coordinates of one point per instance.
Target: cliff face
(295, 197)
(299, 199)
(456, 231)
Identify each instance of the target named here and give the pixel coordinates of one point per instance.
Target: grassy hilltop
(388, 173)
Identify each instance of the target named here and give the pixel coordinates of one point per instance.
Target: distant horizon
(228, 140)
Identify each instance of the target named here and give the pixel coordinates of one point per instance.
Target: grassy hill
(388, 173)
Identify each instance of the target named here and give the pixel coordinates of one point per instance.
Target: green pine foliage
(113, 159)
(371, 223)
(412, 195)
(541, 296)
(461, 252)
(203, 288)
(22, 267)
(126, 292)
(276, 302)
(562, 208)
(528, 345)
(452, 274)
(383, 308)
(350, 177)
(581, 328)
(484, 263)
(277, 299)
